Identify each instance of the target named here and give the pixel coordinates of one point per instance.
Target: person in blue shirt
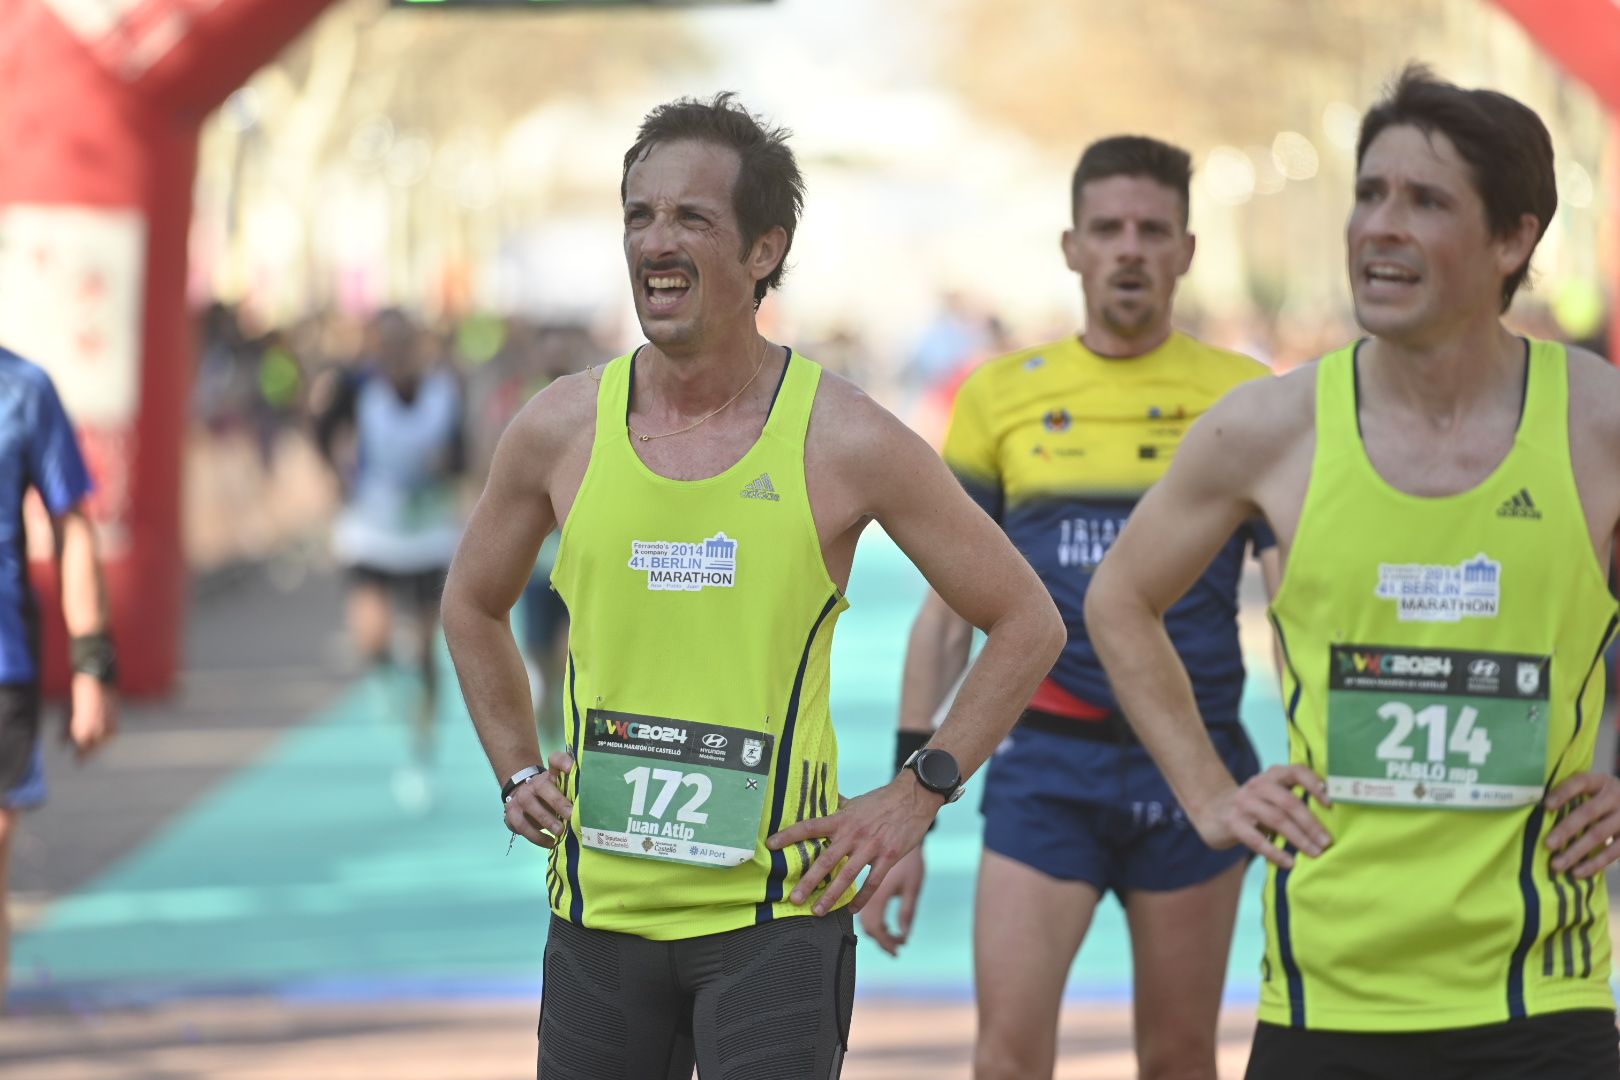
(38, 450)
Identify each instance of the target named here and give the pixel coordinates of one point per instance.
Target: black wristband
(94, 654)
(907, 743)
(519, 777)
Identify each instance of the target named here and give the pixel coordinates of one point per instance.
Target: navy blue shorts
(1093, 807)
(544, 615)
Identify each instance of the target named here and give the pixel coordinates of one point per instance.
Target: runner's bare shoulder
(1594, 400)
(561, 416)
(862, 443)
(1256, 424)
(861, 461)
(847, 419)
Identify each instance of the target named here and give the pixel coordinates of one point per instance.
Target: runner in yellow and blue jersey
(1445, 497)
(1057, 443)
(710, 488)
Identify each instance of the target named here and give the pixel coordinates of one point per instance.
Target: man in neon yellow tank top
(710, 488)
(1444, 495)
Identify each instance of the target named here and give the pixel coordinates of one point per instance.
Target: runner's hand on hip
(1265, 808)
(1590, 830)
(538, 810)
(875, 829)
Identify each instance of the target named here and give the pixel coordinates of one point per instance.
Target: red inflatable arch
(102, 102)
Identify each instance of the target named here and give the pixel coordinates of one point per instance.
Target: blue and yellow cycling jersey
(1058, 443)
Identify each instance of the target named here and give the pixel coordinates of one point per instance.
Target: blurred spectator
(391, 428)
(41, 453)
(956, 334)
(958, 340)
(253, 484)
(225, 388)
(844, 352)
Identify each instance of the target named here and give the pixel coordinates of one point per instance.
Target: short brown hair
(769, 190)
(1134, 155)
(1506, 146)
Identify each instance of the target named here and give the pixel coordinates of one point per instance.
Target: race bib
(1437, 727)
(673, 790)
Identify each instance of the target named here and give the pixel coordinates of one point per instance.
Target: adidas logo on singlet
(762, 488)
(1519, 506)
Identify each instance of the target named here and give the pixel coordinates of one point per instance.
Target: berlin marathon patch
(1425, 592)
(679, 566)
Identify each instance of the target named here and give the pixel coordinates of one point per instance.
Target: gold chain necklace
(695, 423)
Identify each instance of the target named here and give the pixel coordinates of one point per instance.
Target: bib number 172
(1433, 721)
(641, 780)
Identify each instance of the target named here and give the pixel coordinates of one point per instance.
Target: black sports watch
(937, 771)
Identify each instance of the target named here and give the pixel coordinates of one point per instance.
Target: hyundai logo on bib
(715, 741)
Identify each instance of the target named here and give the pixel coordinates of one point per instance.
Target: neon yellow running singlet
(1443, 675)
(696, 694)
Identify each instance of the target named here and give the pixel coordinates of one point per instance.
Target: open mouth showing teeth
(664, 289)
(1390, 274)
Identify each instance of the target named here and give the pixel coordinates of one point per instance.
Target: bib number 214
(1433, 721)
(1440, 728)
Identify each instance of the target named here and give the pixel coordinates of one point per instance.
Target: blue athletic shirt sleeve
(55, 466)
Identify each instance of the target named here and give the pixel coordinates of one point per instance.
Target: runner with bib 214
(1445, 495)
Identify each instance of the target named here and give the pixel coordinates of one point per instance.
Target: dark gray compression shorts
(767, 1002)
